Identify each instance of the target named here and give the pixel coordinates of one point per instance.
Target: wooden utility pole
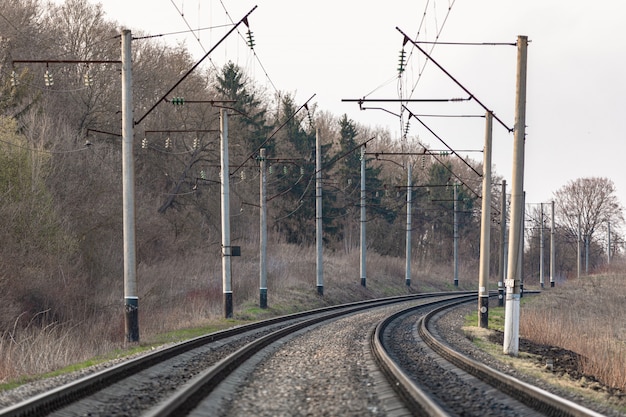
(513, 282)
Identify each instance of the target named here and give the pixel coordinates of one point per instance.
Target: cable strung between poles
(408, 39)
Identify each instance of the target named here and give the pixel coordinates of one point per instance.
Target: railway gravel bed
(327, 371)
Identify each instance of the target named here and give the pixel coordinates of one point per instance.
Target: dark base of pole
(132, 319)
(456, 282)
(228, 305)
(263, 298)
(500, 297)
(483, 312)
(542, 285)
(363, 282)
(552, 283)
(320, 290)
(521, 290)
(408, 282)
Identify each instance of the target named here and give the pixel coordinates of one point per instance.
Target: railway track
(208, 375)
(174, 380)
(447, 383)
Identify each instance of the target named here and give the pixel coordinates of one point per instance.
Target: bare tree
(592, 204)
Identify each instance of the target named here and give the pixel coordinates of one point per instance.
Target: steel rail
(533, 397)
(417, 400)
(62, 396)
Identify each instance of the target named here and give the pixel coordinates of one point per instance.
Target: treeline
(60, 166)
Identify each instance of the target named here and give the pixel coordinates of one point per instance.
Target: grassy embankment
(585, 316)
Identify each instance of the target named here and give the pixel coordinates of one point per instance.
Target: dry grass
(37, 347)
(586, 316)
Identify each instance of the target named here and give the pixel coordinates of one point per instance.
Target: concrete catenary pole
(586, 254)
(485, 229)
(263, 230)
(502, 275)
(578, 264)
(513, 290)
(409, 204)
(456, 235)
(541, 278)
(552, 247)
(608, 243)
(520, 263)
(225, 197)
(131, 300)
(318, 214)
(363, 221)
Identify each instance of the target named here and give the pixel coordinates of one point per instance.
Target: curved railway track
(190, 378)
(428, 398)
(89, 395)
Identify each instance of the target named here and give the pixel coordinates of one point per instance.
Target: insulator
(271, 169)
(402, 62)
(195, 143)
(377, 194)
(243, 175)
(349, 181)
(301, 171)
(87, 79)
(48, 79)
(178, 101)
(144, 143)
(285, 169)
(250, 39)
(168, 143)
(14, 79)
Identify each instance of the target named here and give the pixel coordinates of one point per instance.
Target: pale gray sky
(349, 49)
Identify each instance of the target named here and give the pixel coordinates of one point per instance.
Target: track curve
(524, 399)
